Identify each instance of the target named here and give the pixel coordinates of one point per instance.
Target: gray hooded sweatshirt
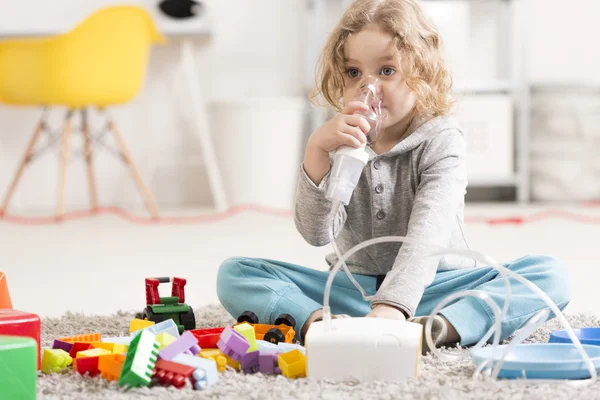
(416, 190)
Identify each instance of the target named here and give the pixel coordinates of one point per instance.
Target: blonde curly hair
(417, 40)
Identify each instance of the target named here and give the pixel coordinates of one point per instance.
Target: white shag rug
(438, 380)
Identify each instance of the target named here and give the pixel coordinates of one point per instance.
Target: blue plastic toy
(541, 361)
(585, 336)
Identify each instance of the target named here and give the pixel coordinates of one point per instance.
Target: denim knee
(556, 279)
(229, 273)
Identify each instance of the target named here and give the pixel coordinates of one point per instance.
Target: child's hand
(343, 129)
(385, 311)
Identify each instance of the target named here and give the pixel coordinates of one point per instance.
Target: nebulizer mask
(389, 350)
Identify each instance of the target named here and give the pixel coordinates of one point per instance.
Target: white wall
(257, 50)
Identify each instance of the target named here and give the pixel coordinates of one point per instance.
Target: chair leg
(26, 158)
(64, 161)
(145, 192)
(89, 160)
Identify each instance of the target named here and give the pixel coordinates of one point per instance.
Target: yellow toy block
(114, 348)
(54, 360)
(164, 339)
(247, 331)
(292, 364)
(217, 356)
(137, 324)
(85, 338)
(92, 353)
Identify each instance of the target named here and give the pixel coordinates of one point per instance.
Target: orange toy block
(5, 301)
(85, 338)
(110, 366)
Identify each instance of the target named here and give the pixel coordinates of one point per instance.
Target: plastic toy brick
(5, 301)
(164, 339)
(113, 348)
(86, 365)
(18, 360)
(292, 364)
(140, 360)
(285, 347)
(79, 346)
(55, 360)
(19, 323)
(217, 356)
(249, 362)
(247, 331)
(85, 338)
(59, 344)
(207, 338)
(264, 345)
(110, 366)
(186, 342)
(171, 373)
(92, 353)
(167, 326)
(137, 324)
(205, 373)
(268, 362)
(232, 344)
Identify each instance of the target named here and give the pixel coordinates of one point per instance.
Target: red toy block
(79, 346)
(172, 373)
(19, 323)
(86, 364)
(207, 338)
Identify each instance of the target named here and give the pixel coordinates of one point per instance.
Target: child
(413, 185)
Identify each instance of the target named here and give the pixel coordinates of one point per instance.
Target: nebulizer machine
(390, 350)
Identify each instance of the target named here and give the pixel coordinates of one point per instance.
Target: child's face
(370, 53)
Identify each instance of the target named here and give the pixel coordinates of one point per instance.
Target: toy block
(137, 324)
(249, 362)
(169, 373)
(164, 339)
(59, 344)
(110, 366)
(114, 348)
(55, 360)
(167, 326)
(79, 346)
(18, 363)
(268, 362)
(264, 345)
(217, 356)
(185, 342)
(86, 365)
(124, 340)
(85, 338)
(205, 370)
(92, 353)
(5, 301)
(19, 323)
(233, 344)
(140, 360)
(286, 347)
(292, 364)
(207, 338)
(247, 331)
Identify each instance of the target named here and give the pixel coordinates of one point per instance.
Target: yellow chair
(100, 63)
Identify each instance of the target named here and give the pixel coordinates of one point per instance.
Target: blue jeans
(270, 288)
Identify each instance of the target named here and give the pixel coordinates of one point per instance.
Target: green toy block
(18, 367)
(247, 331)
(140, 360)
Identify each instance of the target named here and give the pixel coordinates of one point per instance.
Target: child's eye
(353, 72)
(388, 71)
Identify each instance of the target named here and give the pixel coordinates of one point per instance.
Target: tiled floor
(98, 265)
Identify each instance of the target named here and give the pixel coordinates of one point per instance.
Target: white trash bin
(259, 144)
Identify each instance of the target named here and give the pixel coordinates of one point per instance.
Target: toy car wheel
(139, 315)
(249, 317)
(274, 335)
(148, 314)
(285, 319)
(188, 320)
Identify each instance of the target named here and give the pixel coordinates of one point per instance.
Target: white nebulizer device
(349, 162)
